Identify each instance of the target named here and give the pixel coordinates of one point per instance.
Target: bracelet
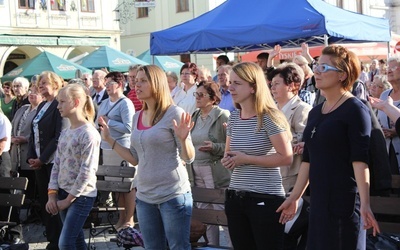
(112, 147)
(52, 191)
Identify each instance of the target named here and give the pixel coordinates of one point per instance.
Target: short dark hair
(263, 55)
(116, 76)
(224, 58)
(192, 68)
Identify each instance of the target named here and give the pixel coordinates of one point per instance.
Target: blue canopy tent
(238, 26)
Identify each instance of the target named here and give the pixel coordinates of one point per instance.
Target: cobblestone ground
(33, 235)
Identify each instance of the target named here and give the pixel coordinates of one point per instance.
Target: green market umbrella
(165, 62)
(45, 61)
(109, 58)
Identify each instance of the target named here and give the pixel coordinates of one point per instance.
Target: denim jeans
(166, 222)
(73, 218)
(253, 222)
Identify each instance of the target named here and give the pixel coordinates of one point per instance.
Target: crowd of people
(265, 134)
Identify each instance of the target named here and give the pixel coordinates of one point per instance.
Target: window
(182, 5)
(87, 5)
(143, 11)
(58, 5)
(26, 4)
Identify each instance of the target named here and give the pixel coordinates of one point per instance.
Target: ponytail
(88, 109)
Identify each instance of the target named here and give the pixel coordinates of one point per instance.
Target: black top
(339, 138)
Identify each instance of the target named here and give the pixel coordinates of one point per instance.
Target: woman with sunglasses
(335, 159)
(117, 111)
(209, 136)
(159, 144)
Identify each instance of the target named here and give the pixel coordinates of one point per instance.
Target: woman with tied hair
(160, 140)
(72, 187)
(258, 142)
(46, 128)
(285, 84)
(335, 159)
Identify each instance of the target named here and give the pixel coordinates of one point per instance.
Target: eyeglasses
(394, 68)
(322, 68)
(200, 94)
(17, 86)
(377, 85)
(85, 79)
(187, 74)
(110, 83)
(6, 87)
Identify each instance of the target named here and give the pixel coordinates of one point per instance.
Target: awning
(7, 39)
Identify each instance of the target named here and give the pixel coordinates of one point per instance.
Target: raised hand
(185, 125)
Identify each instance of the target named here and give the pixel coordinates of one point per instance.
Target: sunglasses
(322, 68)
(110, 83)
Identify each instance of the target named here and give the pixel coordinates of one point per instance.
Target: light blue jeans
(73, 218)
(166, 222)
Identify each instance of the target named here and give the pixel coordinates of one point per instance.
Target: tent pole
(388, 48)
(326, 40)
(152, 59)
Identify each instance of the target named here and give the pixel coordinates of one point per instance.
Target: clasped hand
(233, 159)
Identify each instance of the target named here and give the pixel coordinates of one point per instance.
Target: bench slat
(12, 200)
(116, 171)
(385, 205)
(207, 195)
(19, 183)
(114, 186)
(210, 216)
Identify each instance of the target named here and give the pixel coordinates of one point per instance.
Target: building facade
(138, 22)
(66, 28)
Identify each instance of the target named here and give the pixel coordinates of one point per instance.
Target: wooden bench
(387, 209)
(11, 196)
(209, 216)
(104, 184)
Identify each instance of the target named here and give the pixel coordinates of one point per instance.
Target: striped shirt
(245, 138)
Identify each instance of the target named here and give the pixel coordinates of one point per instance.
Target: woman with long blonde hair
(258, 142)
(160, 140)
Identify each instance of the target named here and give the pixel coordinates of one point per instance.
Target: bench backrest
(387, 209)
(119, 184)
(13, 191)
(212, 196)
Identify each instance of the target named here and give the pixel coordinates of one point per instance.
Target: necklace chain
(314, 130)
(323, 106)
